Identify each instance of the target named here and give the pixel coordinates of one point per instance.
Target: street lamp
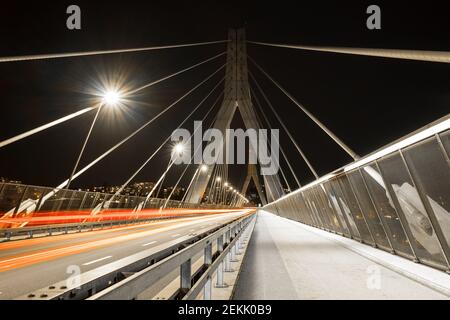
(178, 148)
(111, 98)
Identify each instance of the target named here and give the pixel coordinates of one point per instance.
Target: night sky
(368, 102)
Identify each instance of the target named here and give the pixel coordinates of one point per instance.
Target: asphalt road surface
(28, 265)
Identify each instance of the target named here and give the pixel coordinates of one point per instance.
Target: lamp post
(177, 149)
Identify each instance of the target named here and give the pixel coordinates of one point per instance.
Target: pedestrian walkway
(288, 260)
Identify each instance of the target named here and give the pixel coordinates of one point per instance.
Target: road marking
(176, 235)
(149, 243)
(98, 260)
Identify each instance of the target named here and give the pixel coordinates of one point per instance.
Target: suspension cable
(420, 55)
(79, 113)
(309, 114)
(80, 172)
(280, 184)
(174, 74)
(100, 52)
(259, 122)
(214, 119)
(278, 141)
(168, 138)
(284, 126)
(190, 137)
(45, 126)
(192, 157)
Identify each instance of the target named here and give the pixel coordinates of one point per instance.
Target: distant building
(141, 189)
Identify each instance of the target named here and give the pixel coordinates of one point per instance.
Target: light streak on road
(61, 248)
(63, 217)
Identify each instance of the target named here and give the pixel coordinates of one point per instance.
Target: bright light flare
(111, 98)
(204, 168)
(178, 148)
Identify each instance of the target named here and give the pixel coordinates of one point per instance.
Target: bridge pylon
(237, 95)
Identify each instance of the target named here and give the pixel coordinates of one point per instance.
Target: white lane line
(98, 260)
(176, 235)
(149, 243)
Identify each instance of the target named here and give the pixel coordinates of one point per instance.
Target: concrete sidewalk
(286, 260)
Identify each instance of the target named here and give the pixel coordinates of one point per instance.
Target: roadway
(31, 264)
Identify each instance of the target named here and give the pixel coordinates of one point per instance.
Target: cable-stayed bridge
(386, 213)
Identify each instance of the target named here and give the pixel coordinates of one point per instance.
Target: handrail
(421, 134)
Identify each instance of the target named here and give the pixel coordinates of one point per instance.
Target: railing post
(233, 257)
(220, 243)
(207, 290)
(228, 262)
(185, 276)
(238, 245)
(208, 254)
(219, 281)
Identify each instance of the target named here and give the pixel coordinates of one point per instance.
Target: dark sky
(368, 102)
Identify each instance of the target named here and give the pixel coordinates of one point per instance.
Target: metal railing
(396, 199)
(127, 278)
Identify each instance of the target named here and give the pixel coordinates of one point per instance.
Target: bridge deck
(288, 260)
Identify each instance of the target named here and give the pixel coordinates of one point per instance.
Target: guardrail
(130, 276)
(396, 199)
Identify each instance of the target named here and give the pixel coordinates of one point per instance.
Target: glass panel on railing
(30, 200)
(99, 200)
(332, 200)
(426, 244)
(386, 209)
(52, 201)
(445, 138)
(322, 209)
(133, 202)
(430, 168)
(340, 202)
(327, 207)
(75, 201)
(295, 209)
(369, 210)
(304, 211)
(89, 200)
(10, 198)
(312, 209)
(355, 209)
